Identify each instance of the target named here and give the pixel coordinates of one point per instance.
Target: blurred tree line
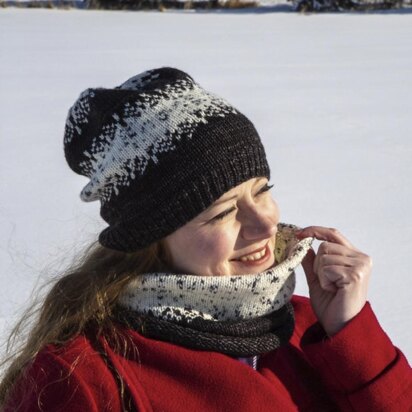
(297, 5)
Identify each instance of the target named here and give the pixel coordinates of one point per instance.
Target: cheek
(213, 247)
(272, 203)
(272, 208)
(202, 252)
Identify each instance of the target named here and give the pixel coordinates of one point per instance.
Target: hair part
(86, 294)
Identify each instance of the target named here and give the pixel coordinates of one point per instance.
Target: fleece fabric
(358, 369)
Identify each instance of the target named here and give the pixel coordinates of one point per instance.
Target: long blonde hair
(85, 294)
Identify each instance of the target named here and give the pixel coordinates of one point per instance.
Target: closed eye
(264, 189)
(220, 216)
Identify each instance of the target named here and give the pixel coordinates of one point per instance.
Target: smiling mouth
(256, 258)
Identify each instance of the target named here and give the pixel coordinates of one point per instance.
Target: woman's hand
(338, 277)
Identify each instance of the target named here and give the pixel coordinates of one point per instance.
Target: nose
(258, 223)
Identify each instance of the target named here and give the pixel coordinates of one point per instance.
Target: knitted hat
(158, 150)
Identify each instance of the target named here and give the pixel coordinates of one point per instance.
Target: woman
(186, 302)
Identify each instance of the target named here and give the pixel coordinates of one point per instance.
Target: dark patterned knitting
(158, 150)
(235, 338)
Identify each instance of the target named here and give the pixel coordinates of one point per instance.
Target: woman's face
(234, 236)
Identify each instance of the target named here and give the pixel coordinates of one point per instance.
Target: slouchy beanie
(158, 150)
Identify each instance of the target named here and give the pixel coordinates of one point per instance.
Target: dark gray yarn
(241, 338)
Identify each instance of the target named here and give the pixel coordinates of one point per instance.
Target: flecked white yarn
(146, 127)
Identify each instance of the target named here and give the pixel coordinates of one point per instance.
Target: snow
(330, 95)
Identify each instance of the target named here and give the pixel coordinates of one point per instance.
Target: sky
(329, 94)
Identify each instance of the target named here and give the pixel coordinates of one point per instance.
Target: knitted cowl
(241, 315)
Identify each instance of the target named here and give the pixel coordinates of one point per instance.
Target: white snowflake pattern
(146, 128)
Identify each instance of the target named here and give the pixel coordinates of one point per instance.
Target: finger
(325, 233)
(333, 278)
(323, 260)
(328, 286)
(308, 267)
(330, 248)
(333, 275)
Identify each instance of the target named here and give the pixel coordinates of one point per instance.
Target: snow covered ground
(329, 94)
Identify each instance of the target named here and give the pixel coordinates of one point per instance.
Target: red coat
(358, 369)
